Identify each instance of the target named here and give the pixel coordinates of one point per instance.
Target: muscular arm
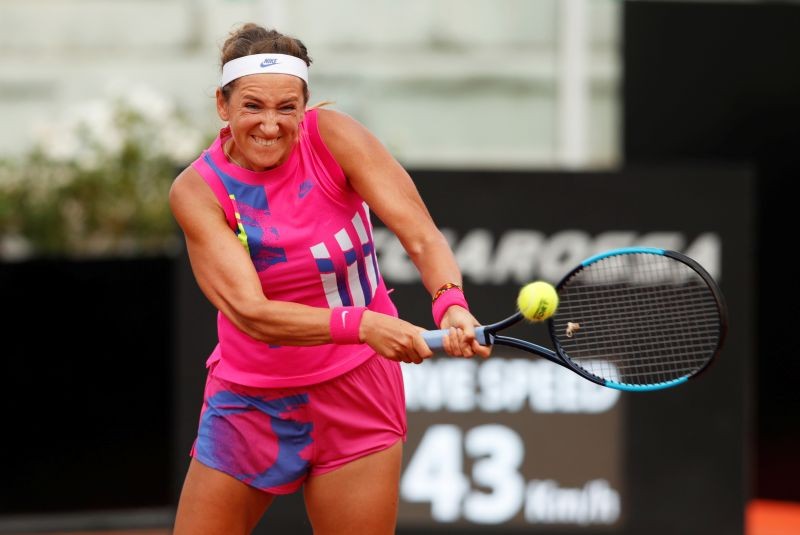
(391, 194)
(226, 275)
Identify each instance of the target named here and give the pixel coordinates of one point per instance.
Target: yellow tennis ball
(537, 301)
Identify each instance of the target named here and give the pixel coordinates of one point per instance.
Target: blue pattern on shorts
(293, 437)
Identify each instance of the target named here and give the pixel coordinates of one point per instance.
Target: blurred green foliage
(96, 181)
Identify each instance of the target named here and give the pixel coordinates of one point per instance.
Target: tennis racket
(634, 319)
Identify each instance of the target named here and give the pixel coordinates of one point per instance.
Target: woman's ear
(222, 105)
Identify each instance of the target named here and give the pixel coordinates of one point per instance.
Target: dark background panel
(715, 81)
(87, 380)
(689, 446)
(75, 325)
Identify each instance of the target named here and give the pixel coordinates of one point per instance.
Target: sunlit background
(448, 84)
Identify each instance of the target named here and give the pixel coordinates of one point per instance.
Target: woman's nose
(269, 124)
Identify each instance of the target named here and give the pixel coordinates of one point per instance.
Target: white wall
(464, 83)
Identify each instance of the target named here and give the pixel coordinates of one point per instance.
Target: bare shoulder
(184, 187)
(190, 195)
(332, 122)
(348, 140)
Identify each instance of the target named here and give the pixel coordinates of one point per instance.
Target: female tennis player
(304, 388)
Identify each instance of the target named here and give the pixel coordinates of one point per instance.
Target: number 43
(435, 473)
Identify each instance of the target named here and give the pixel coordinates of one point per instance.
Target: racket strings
(657, 323)
(643, 319)
(692, 304)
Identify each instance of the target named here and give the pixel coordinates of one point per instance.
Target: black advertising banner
(515, 443)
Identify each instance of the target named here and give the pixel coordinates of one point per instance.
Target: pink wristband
(344, 324)
(453, 296)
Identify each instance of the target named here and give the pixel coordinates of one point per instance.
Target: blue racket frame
(487, 334)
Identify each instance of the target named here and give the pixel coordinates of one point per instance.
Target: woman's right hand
(393, 338)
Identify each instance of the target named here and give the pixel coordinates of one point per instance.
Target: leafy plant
(96, 181)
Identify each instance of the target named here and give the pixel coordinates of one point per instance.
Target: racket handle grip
(434, 339)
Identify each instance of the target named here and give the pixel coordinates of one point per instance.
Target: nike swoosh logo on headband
(269, 61)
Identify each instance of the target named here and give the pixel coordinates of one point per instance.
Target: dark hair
(253, 39)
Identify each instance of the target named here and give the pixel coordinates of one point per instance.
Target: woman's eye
(251, 106)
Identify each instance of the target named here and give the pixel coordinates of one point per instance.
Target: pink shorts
(273, 439)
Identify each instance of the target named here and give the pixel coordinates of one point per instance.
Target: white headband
(263, 63)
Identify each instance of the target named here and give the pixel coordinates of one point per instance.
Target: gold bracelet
(443, 289)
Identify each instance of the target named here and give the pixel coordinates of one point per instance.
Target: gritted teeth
(264, 142)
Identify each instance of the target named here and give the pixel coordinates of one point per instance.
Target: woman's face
(264, 112)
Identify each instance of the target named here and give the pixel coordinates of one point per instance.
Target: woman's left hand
(461, 342)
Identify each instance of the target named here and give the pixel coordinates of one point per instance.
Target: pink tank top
(310, 239)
